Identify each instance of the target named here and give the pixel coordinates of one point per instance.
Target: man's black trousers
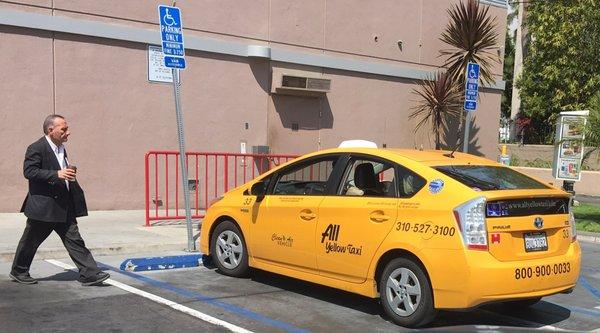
(36, 232)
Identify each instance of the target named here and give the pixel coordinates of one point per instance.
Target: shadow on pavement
(63, 276)
(498, 314)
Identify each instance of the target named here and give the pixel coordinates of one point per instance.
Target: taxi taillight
(572, 222)
(470, 218)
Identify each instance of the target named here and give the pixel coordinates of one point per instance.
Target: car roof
(425, 157)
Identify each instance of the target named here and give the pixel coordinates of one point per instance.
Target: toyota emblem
(538, 222)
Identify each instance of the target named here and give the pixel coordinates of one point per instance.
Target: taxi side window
(369, 178)
(409, 182)
(305, 179)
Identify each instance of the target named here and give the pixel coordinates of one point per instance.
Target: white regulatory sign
(157, 71)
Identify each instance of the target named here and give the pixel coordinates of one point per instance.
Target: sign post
(568, 151)
(471, 92)
(171, 33)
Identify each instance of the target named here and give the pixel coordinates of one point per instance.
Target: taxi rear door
(354, 222)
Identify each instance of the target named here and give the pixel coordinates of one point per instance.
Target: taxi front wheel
(406, 294)
(228, 249)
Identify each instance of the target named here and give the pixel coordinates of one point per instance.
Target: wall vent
(302, 85)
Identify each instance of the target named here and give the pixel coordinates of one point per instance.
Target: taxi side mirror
(259, 190)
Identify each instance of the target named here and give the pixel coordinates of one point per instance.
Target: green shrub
(515, 160)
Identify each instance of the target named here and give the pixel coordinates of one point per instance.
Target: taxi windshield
(490, 178)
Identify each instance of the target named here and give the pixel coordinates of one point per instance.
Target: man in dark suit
(54, 201)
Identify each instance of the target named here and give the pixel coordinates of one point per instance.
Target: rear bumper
(484, 279)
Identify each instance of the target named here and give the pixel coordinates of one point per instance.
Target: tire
(228, 249)
(522, 304)
(406, 294)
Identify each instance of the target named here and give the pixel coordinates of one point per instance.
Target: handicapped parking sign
(471, 86)
(171, 34)
(473, 71)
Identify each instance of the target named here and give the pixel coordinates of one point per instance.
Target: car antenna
(460, 141)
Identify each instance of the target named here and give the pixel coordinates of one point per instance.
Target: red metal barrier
(209, 176)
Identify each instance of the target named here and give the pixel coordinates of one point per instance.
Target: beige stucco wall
(116, 115)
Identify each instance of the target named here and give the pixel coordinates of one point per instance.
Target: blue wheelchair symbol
(473, 71)
(168, 20)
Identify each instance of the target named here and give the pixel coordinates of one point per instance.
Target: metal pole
(183, 162)
(467, 128)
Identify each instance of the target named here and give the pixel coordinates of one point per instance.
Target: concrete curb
(58, 253)
(588, 237)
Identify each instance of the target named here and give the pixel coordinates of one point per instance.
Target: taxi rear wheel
(406, 294)
(228, 249)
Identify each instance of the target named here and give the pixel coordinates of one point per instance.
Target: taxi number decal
(423, 228)
(544, 270)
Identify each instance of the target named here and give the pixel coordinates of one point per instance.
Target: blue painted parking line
(576, 309)
(160, 263)
(584, 282)
(210, 300)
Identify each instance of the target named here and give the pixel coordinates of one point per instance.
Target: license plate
(535, 241)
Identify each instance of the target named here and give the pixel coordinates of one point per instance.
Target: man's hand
(66, 174)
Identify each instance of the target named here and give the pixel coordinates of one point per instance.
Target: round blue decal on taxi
(436, 185)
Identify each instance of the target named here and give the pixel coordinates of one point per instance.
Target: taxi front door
(284, 235)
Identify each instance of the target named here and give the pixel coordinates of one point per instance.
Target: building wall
(100, 84)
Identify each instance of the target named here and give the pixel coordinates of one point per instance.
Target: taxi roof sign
(357, 144)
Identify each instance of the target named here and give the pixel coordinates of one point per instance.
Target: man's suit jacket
(48, 198)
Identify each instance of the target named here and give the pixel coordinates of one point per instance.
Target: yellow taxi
(421, 230)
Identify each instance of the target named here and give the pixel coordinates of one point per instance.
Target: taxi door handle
(307, 215)
(378, 216)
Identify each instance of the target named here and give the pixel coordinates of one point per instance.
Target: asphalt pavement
(201, 299)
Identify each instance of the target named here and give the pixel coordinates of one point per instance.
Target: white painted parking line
(160, 300)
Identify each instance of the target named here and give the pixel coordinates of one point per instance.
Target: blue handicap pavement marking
(209, 300)
(584, 282)
(160, 263)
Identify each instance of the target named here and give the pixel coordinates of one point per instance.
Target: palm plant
(439, 101)
(471, 34)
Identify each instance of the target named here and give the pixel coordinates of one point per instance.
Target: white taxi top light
(357, 144)
(470, 217)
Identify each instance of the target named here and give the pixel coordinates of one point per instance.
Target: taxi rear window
(490, 178)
